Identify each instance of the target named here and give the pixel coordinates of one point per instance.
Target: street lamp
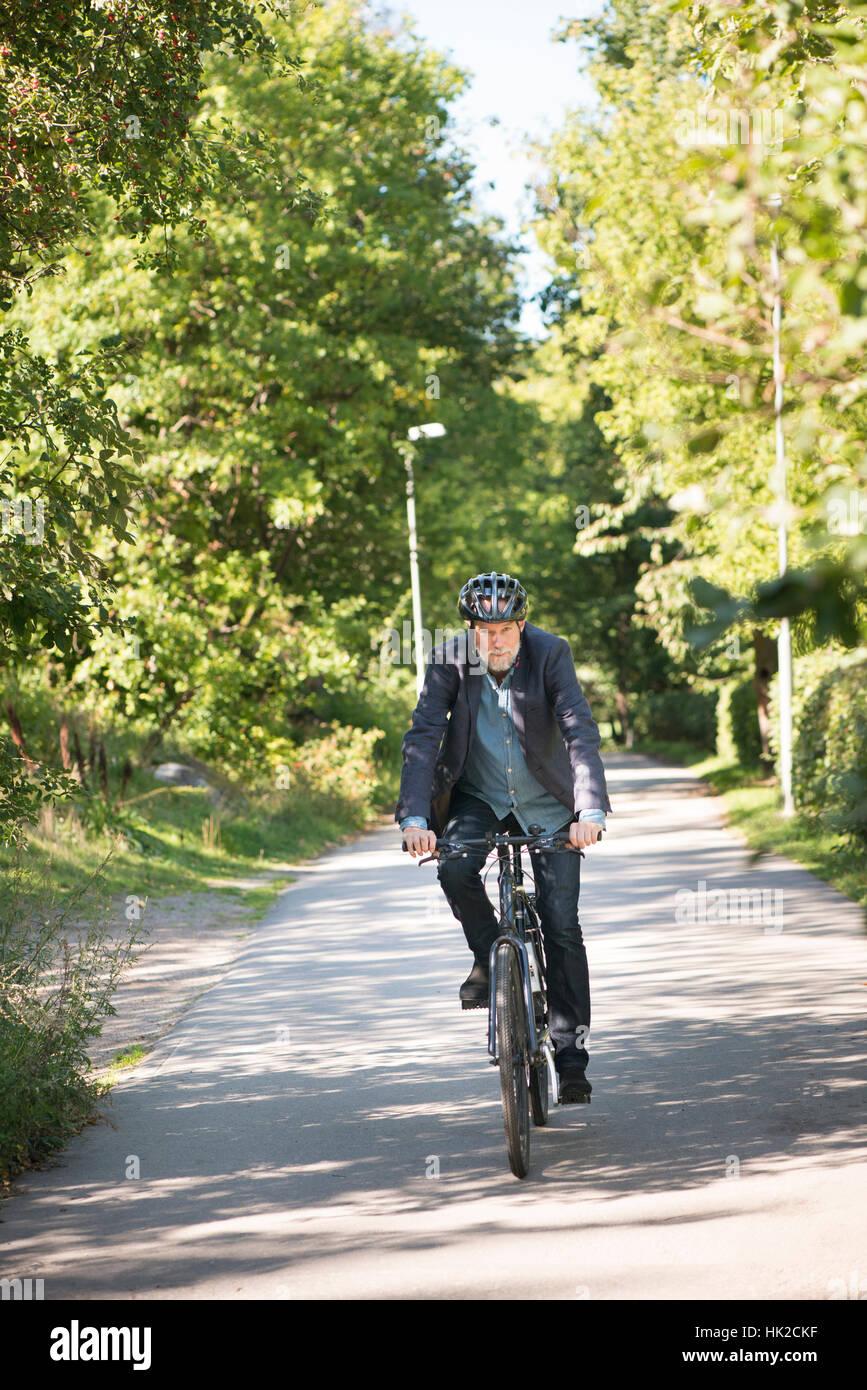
(432, 431)
(425, 431)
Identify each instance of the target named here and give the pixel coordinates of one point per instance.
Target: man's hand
(584, 832)
(419, 841)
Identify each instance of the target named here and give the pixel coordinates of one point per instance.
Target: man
(502, 737)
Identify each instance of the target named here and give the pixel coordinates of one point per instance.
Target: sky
(522, 78)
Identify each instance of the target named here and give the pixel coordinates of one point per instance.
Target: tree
(267, 381)
(98, 103)
(663, 232)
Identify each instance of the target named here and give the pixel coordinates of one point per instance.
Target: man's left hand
(584, 832)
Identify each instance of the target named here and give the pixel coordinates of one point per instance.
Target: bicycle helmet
(493, 598)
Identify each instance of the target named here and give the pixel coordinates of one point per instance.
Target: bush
(738, 736)
(829, 753)
(339, 766)
(676, 714)
(56, 984)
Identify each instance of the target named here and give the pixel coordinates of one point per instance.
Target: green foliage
(99, 109)
(683, 713)
(664, 236)
(105, 99)
(256, 392)
(725, 744)
(339, 765)
(743, 723)
(829, 757)
(56, 983)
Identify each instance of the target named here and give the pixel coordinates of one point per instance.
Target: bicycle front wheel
(512, 1048)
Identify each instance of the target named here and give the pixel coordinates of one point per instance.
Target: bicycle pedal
(475, 1004)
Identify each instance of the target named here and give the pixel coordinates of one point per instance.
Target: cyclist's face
(497, 643)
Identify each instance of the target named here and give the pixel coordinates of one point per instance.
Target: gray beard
(498, 665)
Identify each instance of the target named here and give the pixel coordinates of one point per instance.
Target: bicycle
(518, 1028)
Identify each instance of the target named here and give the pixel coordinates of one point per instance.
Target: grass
(120, 1062)
(752, 803)
(258, 900)
(173, 840)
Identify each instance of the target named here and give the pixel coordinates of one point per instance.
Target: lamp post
(784, 643)
(432, 431)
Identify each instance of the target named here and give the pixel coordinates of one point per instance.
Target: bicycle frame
(512, 905)
(511, 878)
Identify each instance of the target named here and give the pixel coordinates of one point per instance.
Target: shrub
(738, 735)
(339, 766)
(56, 984)
(677, 714)
(829, 752)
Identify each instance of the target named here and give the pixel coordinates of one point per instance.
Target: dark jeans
(557, 879)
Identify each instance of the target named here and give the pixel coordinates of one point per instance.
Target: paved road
(286, 1128)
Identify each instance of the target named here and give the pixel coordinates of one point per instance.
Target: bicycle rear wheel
(512, 1048)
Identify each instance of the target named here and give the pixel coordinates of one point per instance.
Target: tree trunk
(65, 755)
(621, 700)
(126, 773)
(18, 736)
(621, 695)
(79, 759)
(766, 663)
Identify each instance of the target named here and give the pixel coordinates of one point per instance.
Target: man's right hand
(419, 841)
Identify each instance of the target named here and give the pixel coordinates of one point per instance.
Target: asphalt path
(325, 1123)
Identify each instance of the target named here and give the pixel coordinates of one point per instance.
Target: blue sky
(519, 76)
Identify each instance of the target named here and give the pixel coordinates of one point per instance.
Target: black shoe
(574, 1086)
(475, 991)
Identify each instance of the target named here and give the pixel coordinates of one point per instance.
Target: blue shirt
(497, 772)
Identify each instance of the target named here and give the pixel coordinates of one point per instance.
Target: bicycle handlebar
(452, 849)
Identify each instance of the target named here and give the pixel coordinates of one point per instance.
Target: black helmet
(493, 598)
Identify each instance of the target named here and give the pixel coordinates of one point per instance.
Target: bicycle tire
(539, 1086)
(512, 1047)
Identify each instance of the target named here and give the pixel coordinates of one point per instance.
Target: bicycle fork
(538, 1043)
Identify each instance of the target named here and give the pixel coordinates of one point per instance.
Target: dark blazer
(555, 728)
